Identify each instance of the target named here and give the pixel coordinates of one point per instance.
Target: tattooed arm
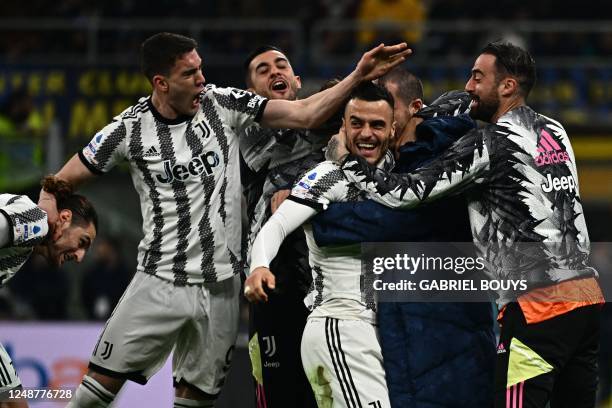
(336, 148)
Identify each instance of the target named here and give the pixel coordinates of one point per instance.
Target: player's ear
(415, 106)
(299, 82)
(64, 220)
(160, 83)
(509, 86)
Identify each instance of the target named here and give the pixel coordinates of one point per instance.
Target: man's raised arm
(313, 111)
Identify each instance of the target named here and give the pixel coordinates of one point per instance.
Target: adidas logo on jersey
(549, 151)
(501, 349)
(151, 152)
(196, 166)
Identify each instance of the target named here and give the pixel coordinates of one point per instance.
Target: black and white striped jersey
(520, 178)
(187, 174)
(274, 159)
(26, 227)
(340, 288)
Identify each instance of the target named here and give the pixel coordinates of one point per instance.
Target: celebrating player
(340, 351)
(526, 216)
(274, 159)
(26, 230)
(182, 146)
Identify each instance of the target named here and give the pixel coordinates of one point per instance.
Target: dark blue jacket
(435, 354)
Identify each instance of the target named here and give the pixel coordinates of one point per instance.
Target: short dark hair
(409, 85)
(159, 52)
(371, 92)
(83, 212)
(512, 60)
(257, 51)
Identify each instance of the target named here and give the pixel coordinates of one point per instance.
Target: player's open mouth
(474, 102)
(196, 99)
(66, 258)
(279, 85)
(367, 149)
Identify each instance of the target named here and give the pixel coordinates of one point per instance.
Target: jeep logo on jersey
(549, 151)
(559, 183)
(196, 166)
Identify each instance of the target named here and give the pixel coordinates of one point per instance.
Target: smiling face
(182, 88)
(69, 241)
(271, 75)
(483, 86)
(369, 128)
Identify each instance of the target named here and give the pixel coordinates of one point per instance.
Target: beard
(485, 108)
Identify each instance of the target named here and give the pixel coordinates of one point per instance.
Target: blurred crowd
(411, 15)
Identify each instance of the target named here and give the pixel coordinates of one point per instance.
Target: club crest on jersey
(549, 151)
(204, 163)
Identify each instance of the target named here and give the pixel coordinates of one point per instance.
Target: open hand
(380, 60)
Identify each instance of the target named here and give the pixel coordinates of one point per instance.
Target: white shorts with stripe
(8, 376)
(343, 362)
(154, 316)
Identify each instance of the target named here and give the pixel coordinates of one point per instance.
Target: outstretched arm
(287, 218)
(313, 111)
(458, 168)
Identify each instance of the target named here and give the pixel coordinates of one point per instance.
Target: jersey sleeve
(240, 108)
(27, 223)
(107, 148)
(320, 186)
(288, 217)
(463, 165)
(257, 146)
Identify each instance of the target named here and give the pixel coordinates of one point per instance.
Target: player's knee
(192, 403)
(111, 384)
(187, 395)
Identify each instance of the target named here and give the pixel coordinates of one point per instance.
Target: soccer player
(182, 146)
(26, 230)
(340, 351)
(414, 335)
(273, 160)
(526, 213)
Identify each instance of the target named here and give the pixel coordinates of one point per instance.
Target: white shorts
(343, 362)
(8, 376)
(154, 316)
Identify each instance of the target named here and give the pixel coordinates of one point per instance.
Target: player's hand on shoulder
(336, 150)
(258, 280)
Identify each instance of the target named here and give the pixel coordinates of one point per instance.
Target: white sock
(91, 394)
(189, 403)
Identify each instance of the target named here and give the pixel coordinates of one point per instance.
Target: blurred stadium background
(68, 67)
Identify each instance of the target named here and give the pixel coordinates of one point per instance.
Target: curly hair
(83, 212)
